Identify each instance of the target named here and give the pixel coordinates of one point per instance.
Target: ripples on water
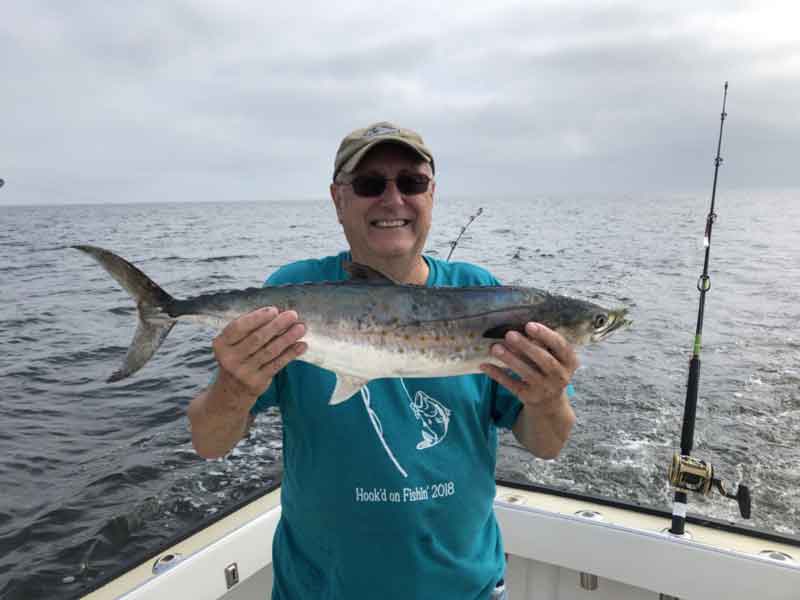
(94, 474)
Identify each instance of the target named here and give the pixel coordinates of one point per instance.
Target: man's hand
(250, 351)
(544, 363)
(254, 347)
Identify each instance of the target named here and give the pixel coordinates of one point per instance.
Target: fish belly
(358, 357)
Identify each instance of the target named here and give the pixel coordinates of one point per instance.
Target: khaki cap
(356, 145)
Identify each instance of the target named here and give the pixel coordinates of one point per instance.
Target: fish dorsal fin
(365, 274)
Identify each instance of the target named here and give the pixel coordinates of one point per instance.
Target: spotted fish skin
(367, 327)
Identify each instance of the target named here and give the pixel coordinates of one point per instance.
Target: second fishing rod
(687, 473)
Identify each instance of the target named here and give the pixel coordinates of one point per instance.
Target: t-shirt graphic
(431, 414)
(435, 419)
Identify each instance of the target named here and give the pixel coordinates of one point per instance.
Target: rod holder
(588, 581)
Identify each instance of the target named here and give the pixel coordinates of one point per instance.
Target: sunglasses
(408, 184)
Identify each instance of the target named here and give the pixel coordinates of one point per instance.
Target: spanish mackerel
(368, 327)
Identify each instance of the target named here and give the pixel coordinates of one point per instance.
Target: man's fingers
(240, 328)
(528, 372)
(276, 347)
(555, 343)
(529, 351)
(265, 334)
(255, 372)
(295, 350)
(515, 386)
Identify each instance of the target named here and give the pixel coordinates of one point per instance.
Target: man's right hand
(253, 348)
(250, 351)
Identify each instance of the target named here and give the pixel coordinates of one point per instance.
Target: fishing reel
(690, 474)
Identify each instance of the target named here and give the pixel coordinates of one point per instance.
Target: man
(390, 493)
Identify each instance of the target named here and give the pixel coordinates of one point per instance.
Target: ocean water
(94, 474)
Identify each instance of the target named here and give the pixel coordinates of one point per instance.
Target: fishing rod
(453, 244)
(687, 473)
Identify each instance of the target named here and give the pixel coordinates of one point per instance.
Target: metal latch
(231, 575)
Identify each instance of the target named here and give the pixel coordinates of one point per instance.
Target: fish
(367, 327)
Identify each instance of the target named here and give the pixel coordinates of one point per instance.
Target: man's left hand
(543, 361)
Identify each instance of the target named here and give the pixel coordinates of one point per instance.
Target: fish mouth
(616, 320)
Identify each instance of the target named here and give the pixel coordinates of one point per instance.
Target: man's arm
(544, 362)
(218, 420)
(544, 431)
(250, 351)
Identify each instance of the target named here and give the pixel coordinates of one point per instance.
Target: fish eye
(600, 321)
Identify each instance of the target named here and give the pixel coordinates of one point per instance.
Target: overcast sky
(205, 100)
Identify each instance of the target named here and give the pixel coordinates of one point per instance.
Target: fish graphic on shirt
(434, 416)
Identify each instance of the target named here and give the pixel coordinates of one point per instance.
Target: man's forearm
(219, 419)
(544, 433)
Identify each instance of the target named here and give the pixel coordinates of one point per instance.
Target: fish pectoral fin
(499, 331)
(345, 387)
(499, 323)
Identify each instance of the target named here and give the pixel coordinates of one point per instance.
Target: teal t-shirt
(390, 494)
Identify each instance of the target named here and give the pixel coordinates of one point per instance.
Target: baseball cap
(356, 145)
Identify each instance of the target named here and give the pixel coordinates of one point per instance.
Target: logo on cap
(379, 130)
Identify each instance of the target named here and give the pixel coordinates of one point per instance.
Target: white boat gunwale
(150, 557)
(691, 518)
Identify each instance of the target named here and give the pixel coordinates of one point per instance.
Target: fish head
(582, 323)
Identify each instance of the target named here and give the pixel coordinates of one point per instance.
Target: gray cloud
(241, 101)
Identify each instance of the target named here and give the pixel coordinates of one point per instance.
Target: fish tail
(153, 304)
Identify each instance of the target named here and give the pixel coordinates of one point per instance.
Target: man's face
(392, 225)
